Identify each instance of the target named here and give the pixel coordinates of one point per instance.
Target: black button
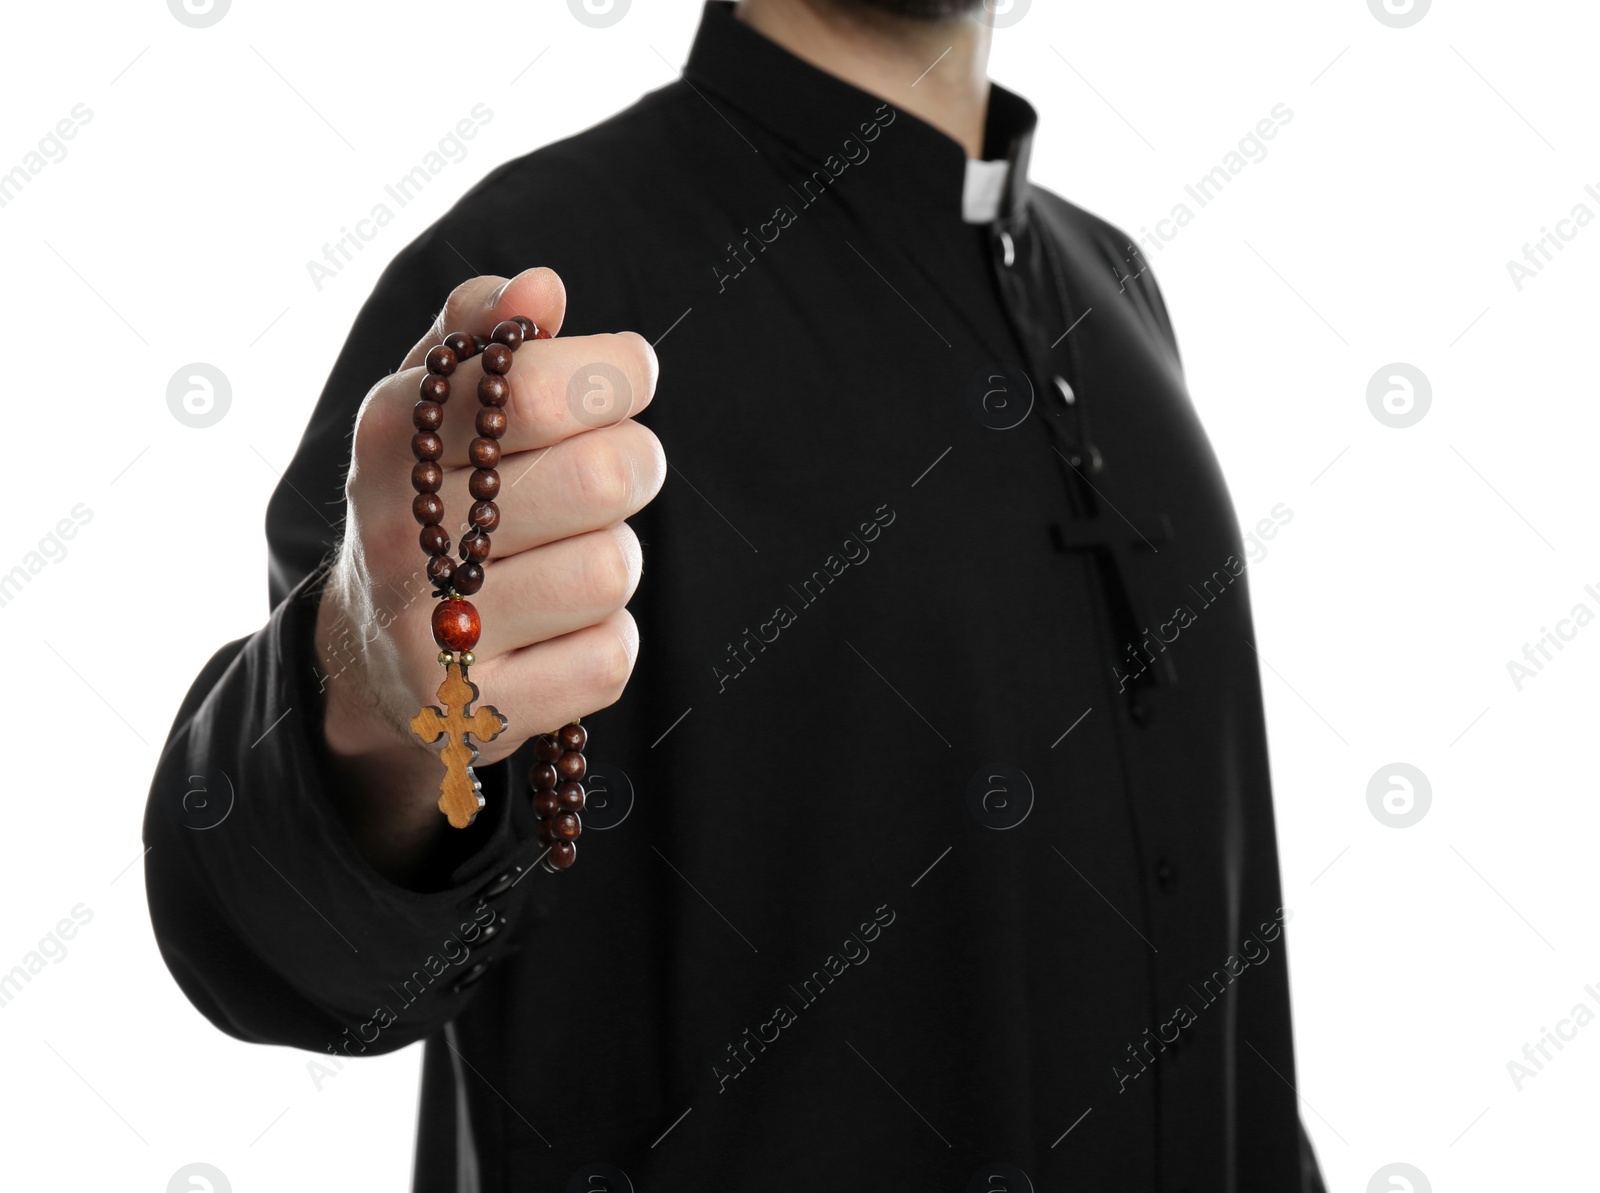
(472, 975)
(491, 929)
(502, 883)
(1164, 873)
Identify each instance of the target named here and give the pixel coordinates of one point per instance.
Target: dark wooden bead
(544, 804)
(493, 390)
(427, 415)
(545, 835)
(468, 578)
(475, 546)
(434, 388)
(435, 540)
(440, 569)
(441, 360)
(461, 344)
(484, 485)
(497, 359)
(571, 765)
(456, 625)
(571, 796)
(573, 737)
(484, 453)
(479, 343)
(546, 748)
(426, 445)
(566, 826)
(562, 855)
(485, 516)
(529, 327)
(426, 476)
(428, 508)
(492, 422)
(542, 777)
(508, 332)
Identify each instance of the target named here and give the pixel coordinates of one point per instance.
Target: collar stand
(824, 117)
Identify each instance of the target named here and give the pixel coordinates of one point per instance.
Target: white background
(218, 161)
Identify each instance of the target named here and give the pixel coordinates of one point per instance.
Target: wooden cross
(1113, 542)
(461, 800)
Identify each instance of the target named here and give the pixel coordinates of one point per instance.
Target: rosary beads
(556, 776)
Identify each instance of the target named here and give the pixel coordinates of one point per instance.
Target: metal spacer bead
(466, 658)
(446, 657)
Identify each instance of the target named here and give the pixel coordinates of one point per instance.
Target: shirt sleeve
(265, 911)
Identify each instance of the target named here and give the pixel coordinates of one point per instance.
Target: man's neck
(936, 70)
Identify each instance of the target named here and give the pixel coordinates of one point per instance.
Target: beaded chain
(558, 794)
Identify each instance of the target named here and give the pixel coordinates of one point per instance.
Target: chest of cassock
(902, 660)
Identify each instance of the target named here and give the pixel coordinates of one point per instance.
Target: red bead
(546, 748)
(426, 445)
(427, 508)
(456, 625)
(571, 765)
(542, 776)
(573, 737)
(562, 855)
(493, 390)
(497, 359)
(571, 796)
(461, 344)
(468, 578)
(508, 332)
(435, 540)
(544, 804)
(434, 388)
(566, 826)
(441, 360)
(484, 484)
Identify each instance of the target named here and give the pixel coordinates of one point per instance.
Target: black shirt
(934, 830)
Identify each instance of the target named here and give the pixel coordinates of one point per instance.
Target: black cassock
(934, 830)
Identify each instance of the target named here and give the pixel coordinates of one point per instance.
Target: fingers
(549, 684)
(557, 589)
(585, 483)
(559, 388)
(557, 639)
(477, 304)
(384, 424)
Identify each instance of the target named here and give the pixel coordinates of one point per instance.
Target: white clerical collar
(983, 189)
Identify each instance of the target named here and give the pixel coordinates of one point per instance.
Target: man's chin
(921, 10)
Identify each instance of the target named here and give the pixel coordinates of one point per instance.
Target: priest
(930, 843)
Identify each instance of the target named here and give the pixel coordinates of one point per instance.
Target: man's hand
(557, 642)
